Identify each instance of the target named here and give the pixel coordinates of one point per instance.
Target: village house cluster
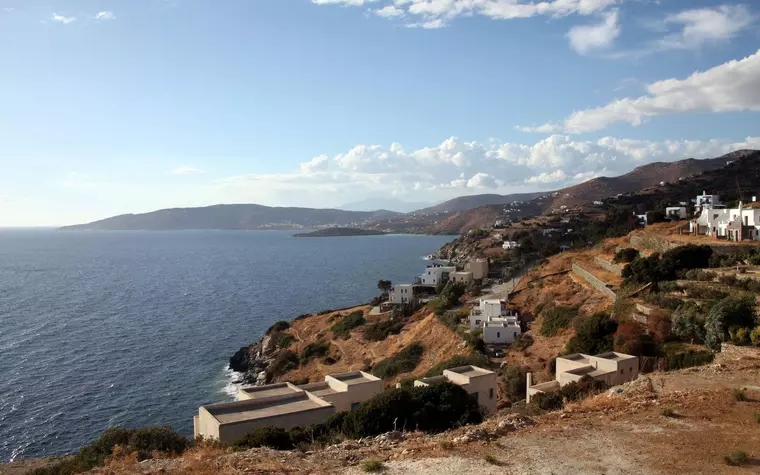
(286, 405)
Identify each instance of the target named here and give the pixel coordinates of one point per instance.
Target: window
(354, 405)
(621, 371)
(498, 335)
(475, 395)
(490, 393)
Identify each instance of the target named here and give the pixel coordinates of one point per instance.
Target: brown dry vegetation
(355, 353)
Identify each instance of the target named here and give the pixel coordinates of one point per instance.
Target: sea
(130, 329)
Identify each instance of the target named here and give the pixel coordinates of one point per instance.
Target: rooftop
(318, 389)
(270, 390)
(354, 377)
(614, 356)
(575, 357)
(433, 379)
(259, 409)
(469, 371)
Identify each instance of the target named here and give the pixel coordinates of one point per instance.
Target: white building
(497, 237)
(400, 294)
(480, 383)
(675, 212)
(612, 368)
(735, 224)
(436, 274)
(707, 201)
(500, 325)
(510, 245)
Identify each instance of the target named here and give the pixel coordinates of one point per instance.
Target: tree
(626, 255)
(754, 336)
(384, 286)
(688, 322)
(593, 335)
(738, 311)
(514, 383)
(659, 325)
(631, 340)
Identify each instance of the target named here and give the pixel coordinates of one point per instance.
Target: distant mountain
(640, 178)
(464, 203)
(237, 216)
(392, 204)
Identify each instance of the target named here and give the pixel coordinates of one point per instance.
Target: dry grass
(492, 460)
(372, 465)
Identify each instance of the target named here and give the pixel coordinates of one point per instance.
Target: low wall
(594, 281)
(652, 243)
(607, 265)
(733, 351)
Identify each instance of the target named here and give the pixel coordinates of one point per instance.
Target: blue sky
(117, 106)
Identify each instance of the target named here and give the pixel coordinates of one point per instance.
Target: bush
(449, 318)
(144, 441)
(740, 395)
(514, 383)
(284, 362)
(402, 362)
(433, 408)
(282, 325)
(754, 336)
(523, 342)
(701, 292)
(594, 335)
(631, 340)
(492, 460)
(379, 331)
(756, 417)
(739, 336)
(737, 458)
(688, 322)
(348, 323)
(659, 325)
(736, 311)
(556, 319)
(574, 391)
(272, 437)
(701, 275)
(626, 255)
(372, 465)
(474, 359)
(689, 358)
(656, 268)
(314, 350)
(551, 401)
(668, 412)
(279, 340)
(662, 301)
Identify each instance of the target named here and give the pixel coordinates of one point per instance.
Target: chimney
(528, 384)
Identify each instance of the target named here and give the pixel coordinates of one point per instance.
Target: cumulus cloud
(729, 87)
(705, 25)
(187, 171)
(587, 38)
(105, 16)
(456, 167)
(63, 19)
(438, 13)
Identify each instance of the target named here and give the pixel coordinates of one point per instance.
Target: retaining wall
(594, 281)
(607, 265)
(733, 351)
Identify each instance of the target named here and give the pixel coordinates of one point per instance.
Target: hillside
(464, 203)
(237, 216)
(687, 175)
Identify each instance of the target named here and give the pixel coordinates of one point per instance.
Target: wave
(232, 386)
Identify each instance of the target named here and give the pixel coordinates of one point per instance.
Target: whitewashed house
(734, 224)
(500, 325)
(436, 274)
(510, 245)
(675, 212)
(500, 331)
(401, 294)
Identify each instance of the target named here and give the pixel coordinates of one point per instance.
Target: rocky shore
(253, 360)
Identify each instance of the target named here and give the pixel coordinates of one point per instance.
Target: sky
(125, 106)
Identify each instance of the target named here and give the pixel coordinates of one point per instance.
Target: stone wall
(732, 351)
(652, 243)
(593, 281)
(612, 267)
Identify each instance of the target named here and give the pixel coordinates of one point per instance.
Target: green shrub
(556, 319)
(574, 391)
(662, 300)
(379, 331)
(700, 275)
(688, 322)
(702, 292)
(314, 350)
(514, 382)
(736, 458)
(551, 401)
(668, 412)
(754, 336)
(144, 441)
(736, 311)
(282, 325)
(372, 465)
(474, 359)
(740, 336)
(402, 362)
(284, 362)
(669, 286)
(449, 318)
(689, 358)
(626, 255)
(523, 341)
(279, 340)
(740, 395)
(349, 322)
(756, 417)
(272, 437)
(594, 335)
(492, 460)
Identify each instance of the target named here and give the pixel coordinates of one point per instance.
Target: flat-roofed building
(613, 368)
(462, 277)
(479, 382)
(478, 267)
(285, 405)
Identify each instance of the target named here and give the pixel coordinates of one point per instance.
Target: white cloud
(456, 167)
(389, 11)
(105, 16)
(186, 170)
(588, 38)
(729, 87)
(704, 25)
(9, 9)
(438, 13)
(63, 19)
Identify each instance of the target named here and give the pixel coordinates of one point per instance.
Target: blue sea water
(102, 329)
